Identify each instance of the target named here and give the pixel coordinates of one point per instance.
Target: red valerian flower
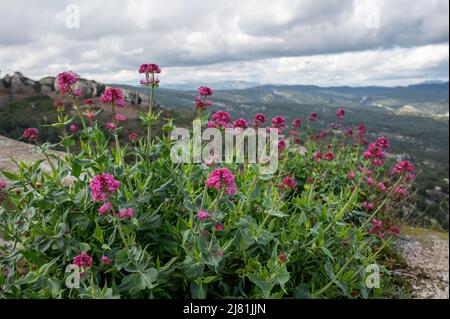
(83, 260)
(119, 117)
(242, 123)
(202, 215)
(65, 81)
(297, 123)
(328, 156)
(105, 260)
(105, 208)
(114, 96)
(376, 228)
(403, 167)
(278, 122)
(349, 131)
(222, 178)
(31, 134)
(382, 142)
(313, 116)
(220, 119)
(133, 136)
(382, 187)
(370, 181)
(200, 104)
(219, 227)
(90, 115)
(110, 126)
(367, 206)
(102, 186)
(351, 175)
(73, 128)
(259, 120)
(374, 152)
(126, 213)
(340, 113)
(149, 68)
(281, 145)
(205, 91)
(288, 183)
(394, 230)
(3, 185)
(88, 102)
(317, 156)
(401, 191)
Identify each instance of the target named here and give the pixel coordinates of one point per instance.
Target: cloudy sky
(323, 42)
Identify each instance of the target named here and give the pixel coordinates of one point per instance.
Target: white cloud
(259, 40)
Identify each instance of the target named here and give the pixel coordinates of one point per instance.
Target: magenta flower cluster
(31, 134)
(65, 82)
(102, 186)
(222, 178)
(113, 96)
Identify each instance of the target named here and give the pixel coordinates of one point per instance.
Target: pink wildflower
(382, 142)
(133, 136)
(102, 186)
(328, 156)
(114, 96)
(394, 230)
(219, 227)
(278, 122)
(297, 123)
(110, 126)
(119, 117)
(222, 178)
(288, 183)
(376, 228)
(351, 175)
(105, 208)
(221, 119)
(105, 260)
(202, 215)
(149, 68)
(31, 134)
(382, 187)
(205, 91)
(200, 104)
(367, 206)
(340, 113)
(2, 185)
(259, 120)
(90, 115)
(403, 167)
(313, 116)
(83, 260)
(73, 128)
(126, 213)
(242, 123)
(65, 81)
(370, 181)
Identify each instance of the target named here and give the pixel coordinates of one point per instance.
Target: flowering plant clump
(134, 224)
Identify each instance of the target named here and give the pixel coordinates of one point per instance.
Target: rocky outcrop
(17, 87)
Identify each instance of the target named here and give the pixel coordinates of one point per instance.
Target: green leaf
(277, 213)
(10, 175)
(150, 277)
(98, 233)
